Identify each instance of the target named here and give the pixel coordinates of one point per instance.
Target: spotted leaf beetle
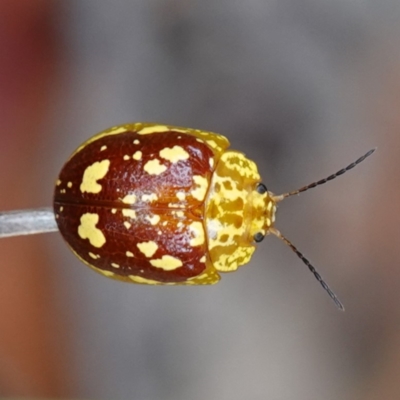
(164, 205)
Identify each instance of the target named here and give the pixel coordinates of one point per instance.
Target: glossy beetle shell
(158, 204)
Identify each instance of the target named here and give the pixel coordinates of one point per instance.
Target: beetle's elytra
(158, 204)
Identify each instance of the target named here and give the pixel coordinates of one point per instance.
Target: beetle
(164, 205)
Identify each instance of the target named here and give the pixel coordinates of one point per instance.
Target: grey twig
(27, 222)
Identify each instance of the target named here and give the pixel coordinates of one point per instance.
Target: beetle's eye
(261, 188)
(258, 237)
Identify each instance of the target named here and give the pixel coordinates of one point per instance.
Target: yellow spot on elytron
(174, 154)
(148, 248)
(180, 214)
(198, 232)
(200, 192)
(87, 230)
(129, 254)
(103, 148)
(153, 129)
(154, 219)
(153, 167)
(112, 131)
(92, 174)
(203, 276)
(114, 265)
(94, 256)
(180, 224)
(212, 143)
(178, 129)
(137, 156)
(200, 140)
(57, 216)
(117, 129)
(136, 141)
(149, 197)
(58, 183)
(211, 162)
(69, 184)
(139, 279)
(209, 277)
(126, 157)
(126, 212)
(61, 209)
(167, 263)
(62, 191)
(127, 224)
(114, 210)
(129, 199)
(203, 259)
(181, 196)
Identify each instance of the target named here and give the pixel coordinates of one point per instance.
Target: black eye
(261, 188)
(258, 237)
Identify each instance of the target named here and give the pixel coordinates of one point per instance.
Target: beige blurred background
(303, 87)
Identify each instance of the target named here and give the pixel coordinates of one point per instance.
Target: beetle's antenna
(319, 278)
(322, 181)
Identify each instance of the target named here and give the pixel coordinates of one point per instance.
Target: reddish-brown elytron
(158, 204)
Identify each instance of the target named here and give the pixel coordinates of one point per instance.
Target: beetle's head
(263, 209)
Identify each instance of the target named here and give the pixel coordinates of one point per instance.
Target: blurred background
(303, 87)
